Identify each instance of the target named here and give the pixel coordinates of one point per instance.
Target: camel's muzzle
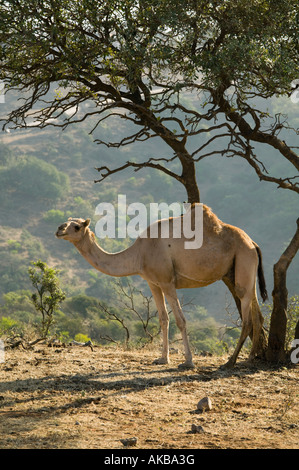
(61, 231)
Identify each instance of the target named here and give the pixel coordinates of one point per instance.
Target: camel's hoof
(252, 356)
(160, 360)
(186, 365)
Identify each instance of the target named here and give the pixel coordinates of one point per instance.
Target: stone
(205, 404)
(129, 442)
(196, 429)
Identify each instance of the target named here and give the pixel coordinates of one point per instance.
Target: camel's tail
(261, 277)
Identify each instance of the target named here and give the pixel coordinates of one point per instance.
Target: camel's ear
(86, 223)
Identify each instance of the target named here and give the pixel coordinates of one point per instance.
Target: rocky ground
(108, 398)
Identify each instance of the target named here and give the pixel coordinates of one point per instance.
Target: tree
(195, 74)
(132, 303)
(48, 296)
(116, 53)
(277, 334)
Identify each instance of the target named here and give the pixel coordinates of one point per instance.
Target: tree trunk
(188, 177)
(278, 325)
(192, 189)
(277, 334)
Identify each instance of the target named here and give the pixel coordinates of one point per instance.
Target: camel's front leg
(181, 323)
(164, 322)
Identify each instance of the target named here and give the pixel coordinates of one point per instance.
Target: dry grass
(75, 398)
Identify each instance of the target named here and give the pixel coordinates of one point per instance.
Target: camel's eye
(77, 228)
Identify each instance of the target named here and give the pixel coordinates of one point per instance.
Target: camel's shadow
(94, 386)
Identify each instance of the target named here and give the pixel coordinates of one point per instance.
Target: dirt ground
(75, 398)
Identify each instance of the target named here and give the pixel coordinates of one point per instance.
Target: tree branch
(256, 135)
(105, 171)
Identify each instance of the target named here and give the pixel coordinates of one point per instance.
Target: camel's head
(73, 230)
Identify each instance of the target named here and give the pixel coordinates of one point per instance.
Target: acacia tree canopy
(138, 59)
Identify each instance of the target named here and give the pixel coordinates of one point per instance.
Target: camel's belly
(185, 282)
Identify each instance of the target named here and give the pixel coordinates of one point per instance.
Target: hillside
(75, 398)
(48, 175)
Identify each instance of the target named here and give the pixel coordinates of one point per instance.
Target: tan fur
(166, 265)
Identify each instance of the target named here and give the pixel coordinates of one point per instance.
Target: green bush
(47, 296)
(14, 246)
(33, 178)
(81, 338)
(66, 327)
(80, 304)
(54, 216)
(8, 325)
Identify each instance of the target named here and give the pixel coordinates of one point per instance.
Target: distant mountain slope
(29, 218)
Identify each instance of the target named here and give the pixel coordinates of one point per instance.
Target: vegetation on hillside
(29, 221)
(202, 78)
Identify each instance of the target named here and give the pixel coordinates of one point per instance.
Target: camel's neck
(124, 263)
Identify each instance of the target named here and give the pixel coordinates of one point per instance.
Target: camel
(227, 253)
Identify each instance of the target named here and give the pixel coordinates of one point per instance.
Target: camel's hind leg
(245, 331)
(164, 322)
(245, 280)
(259, 342)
